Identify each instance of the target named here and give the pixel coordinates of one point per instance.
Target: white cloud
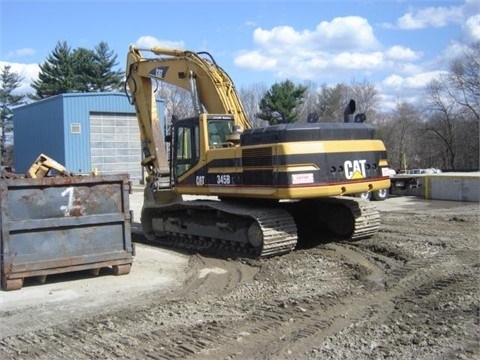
(452, 51)
(395, 88)
(415, 82)
(430, 17)
(393, 81)
(341, 44)
(350, 32)
(21, 52)
(28, 72)
(391, 101)
(358, 61)
(471, 28)
(347, 33)
(281, 35)
(148, 42)
(334, 48)
(255, 60)
(401, 53)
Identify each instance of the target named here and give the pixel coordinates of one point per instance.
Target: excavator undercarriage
(256, 230)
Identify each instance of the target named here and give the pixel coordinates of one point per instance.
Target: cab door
(185, 149)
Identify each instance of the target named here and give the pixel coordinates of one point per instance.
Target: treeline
(441, 132)
(68, 70)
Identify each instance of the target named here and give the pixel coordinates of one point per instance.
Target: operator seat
(215, 141)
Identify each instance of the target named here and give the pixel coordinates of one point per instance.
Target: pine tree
(78, 70)
(279, 104)
(9, 81)
(56, 74)
(105, 60)
(84, 70)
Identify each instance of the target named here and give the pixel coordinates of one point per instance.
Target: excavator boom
(214, 93)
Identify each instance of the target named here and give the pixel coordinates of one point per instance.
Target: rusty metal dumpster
(61, 224)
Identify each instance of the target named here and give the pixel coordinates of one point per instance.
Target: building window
(75, 128)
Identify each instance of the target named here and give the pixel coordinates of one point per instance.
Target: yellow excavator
(41, 167)
(256, 191)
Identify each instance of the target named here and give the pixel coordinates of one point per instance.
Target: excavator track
(221, 227)
(366, 216)
(239, 229)
(335, 218)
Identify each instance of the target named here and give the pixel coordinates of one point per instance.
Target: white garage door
(115, 144)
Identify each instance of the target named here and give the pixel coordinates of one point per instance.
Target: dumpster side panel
(60, 224)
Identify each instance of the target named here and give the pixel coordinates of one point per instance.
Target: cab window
(187, 149)
(218, 131)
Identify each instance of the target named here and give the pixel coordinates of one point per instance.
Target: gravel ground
(409, 292)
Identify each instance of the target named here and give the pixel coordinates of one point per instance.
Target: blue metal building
(83, 131)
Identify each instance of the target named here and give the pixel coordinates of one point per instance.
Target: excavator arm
(212, 89)
(201, 76)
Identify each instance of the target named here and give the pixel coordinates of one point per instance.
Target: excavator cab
(193, 137)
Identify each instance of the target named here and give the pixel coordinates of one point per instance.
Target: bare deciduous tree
(453, 101)
(403, 149)
(332, 100)
(250, 97)
(367, 98)
(178, 103)
(464, 80)
(443, 118)
(309, 104)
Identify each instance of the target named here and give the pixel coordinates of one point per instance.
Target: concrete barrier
(451, 186)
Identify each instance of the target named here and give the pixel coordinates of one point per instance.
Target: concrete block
(452, 186)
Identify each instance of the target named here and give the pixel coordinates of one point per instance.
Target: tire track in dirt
(275, 319)
(318, 325)
(298, 321)
(409, 277)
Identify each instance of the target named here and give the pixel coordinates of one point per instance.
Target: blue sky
(398, 45)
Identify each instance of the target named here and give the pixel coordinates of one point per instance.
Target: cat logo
(200, 180)
(158, 72)
(355, 169)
